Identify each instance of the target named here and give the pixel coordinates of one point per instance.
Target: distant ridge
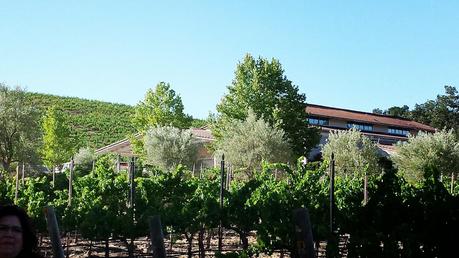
(94, 123)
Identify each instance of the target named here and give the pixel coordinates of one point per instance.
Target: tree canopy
(57, 143)
(260, 85)
(161, 107)
(248, 142)
(19, 127)
(354, 153)
(441, 113)
(167, 147)
(440, 150)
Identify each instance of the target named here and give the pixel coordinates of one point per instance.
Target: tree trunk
(67, 243)
(90, 248)
(189, 239)
(107, 248)
(6, 165)
(131, 248)
(209, 237)
(202, 251)
(244, 240)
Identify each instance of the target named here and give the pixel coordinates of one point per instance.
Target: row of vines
(399, 220)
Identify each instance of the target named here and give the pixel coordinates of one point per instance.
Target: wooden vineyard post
(222, 189)
(157, 237)
(23, 173)
(332, 190)
(16, 192)
(303, 233)
(131, 183)
(71, 182)
(53, 231)
(365, 189)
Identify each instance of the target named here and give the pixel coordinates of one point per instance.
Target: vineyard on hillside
(399, 220)
(93, 123)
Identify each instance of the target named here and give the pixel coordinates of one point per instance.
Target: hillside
(94, 123)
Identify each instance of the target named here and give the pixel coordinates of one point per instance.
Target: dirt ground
(75, 247)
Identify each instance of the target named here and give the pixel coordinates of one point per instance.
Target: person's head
(16, 234)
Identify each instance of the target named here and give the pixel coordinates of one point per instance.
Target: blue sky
(350, 54)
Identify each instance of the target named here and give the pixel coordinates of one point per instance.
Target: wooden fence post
(157, 237)
(222, 191)
(16, 192)
(53, 231)
(71, 183)
(303, 233)
(23, 173)
(332, 190)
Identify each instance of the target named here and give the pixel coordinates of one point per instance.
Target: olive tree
(19, 127)
(355, 154)
(440, 149)
(168, 146)
(246, 143)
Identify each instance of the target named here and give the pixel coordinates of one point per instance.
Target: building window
(360, 127)
(398, 131)
(317, 121)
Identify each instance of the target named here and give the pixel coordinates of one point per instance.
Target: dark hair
(30, 241)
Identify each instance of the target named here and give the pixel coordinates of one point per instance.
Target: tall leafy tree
(57, 145)
(19, 128)
(260, 85)
(161, 107)
(443, 112)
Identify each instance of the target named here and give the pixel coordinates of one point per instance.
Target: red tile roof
(370, 118)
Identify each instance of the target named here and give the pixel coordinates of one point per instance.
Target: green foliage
(440, 150)
(246, 143)
(57, 145)
(403, 111)
(19, 127)
(354, 153)
(161, 107)
(261, 85)
(92, 123)
(84, 156)
(443, 112)
(166, 147)
(6, 186)
(398, 221)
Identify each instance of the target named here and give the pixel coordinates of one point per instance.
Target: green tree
(354, 153)
(57, 146)
(440, 150)
(161, 107)
(261, 85)
(167, 146)
(443, 112)
(403, 111)
(248, 142)
(19, 128)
